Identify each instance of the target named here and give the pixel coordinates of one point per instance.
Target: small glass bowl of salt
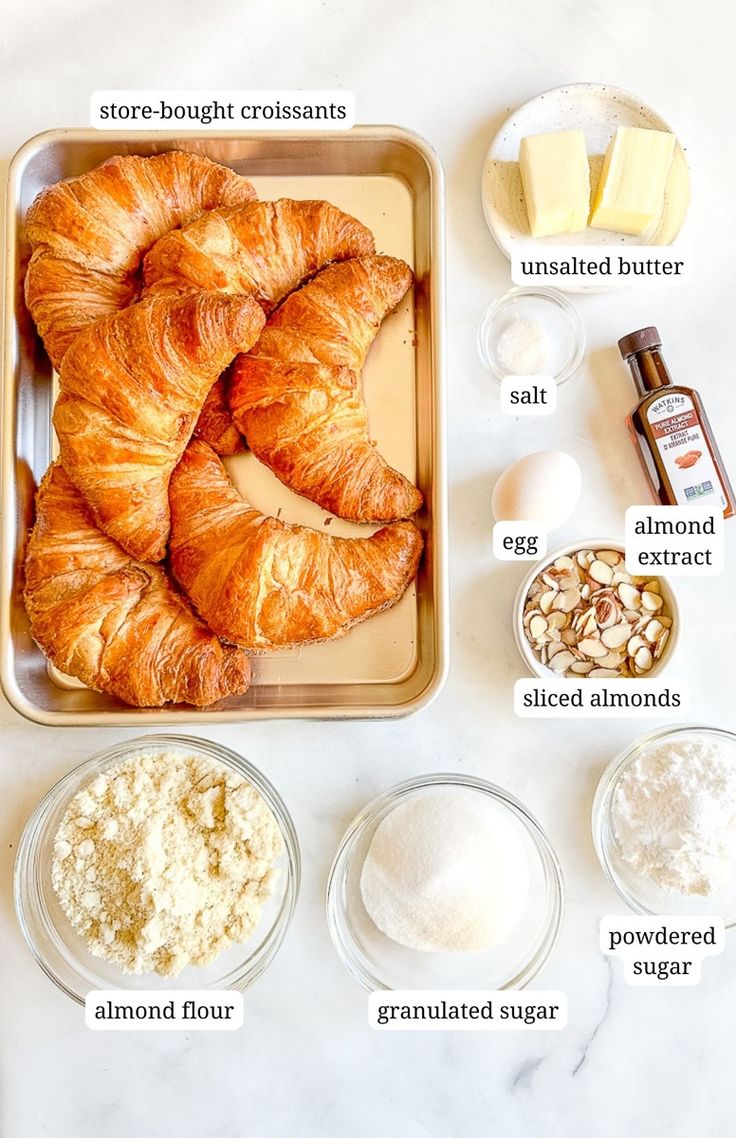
(532, 331)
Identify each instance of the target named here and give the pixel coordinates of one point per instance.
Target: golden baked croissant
(131, 388)
(215, 423)
(297, 397)
(88, 235)
(263, 584)
(266, 249)
(116, 624)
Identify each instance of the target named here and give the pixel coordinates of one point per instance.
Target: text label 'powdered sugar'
(417, 1010)
(675, 541)
(599, 266)
(620, 698)
(185, 1010)
(222, 110)
(662, 951)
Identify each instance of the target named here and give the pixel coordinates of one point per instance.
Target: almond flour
(164, 861)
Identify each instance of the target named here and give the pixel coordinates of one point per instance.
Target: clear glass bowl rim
(28, 911)
(600, 810)
(548, 294)
(392, 796)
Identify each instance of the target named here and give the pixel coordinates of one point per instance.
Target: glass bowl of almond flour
(65, 954)
(664, 823)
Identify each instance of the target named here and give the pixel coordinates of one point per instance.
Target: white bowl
(534, 665)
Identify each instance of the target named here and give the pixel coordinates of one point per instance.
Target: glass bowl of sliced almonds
(579, 614)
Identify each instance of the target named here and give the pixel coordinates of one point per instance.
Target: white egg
(543, 487)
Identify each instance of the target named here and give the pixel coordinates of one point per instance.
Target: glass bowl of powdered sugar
(664, 823)
(530, 332)
(166, 862)
(444, 882)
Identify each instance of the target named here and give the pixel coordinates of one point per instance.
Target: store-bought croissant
(118, 625)
(297, 395)
(131, 388)
(263, 584)
(88, 235)
(265, 249)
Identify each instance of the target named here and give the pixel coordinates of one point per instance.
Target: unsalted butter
(630, 193)
(556, 180)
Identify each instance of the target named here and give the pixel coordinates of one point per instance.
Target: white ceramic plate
(598, 110)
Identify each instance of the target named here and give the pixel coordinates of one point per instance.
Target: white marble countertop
(653, 1062)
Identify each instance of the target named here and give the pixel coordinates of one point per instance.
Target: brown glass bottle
(671, 431)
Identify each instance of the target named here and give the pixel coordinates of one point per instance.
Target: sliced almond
(611, 660)
(561, 662)
(606, 612)
(557, 619)
(565, 563)
(546, 601)
(537, 625)
(619, 576)
(601, 572)
(643, 659)
(592, 647)
(604, 674)
(629, 595)
(609, 556)
(568, 600)
(550, 581)
(659, 649)
(653, 631)
(581, 667)
(634, 644)
(569, 636)
(553, 648)
(616, 636)
(651, 601)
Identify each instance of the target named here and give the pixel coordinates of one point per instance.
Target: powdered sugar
(674, 814)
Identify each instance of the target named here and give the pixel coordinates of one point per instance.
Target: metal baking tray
(391, 665)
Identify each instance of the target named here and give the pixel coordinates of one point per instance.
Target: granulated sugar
(446, 871)
(674, 815)
(164, 861)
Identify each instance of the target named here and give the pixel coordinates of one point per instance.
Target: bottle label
(681, 442)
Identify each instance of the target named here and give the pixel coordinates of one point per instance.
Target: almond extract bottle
(671, 431)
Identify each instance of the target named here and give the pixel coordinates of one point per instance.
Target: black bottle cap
(644, 340)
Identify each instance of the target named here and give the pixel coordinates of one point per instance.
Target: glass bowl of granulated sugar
(664, 823)
(165, 863)
(444, 882)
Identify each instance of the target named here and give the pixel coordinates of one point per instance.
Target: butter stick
(556, 180)
(630, 193)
